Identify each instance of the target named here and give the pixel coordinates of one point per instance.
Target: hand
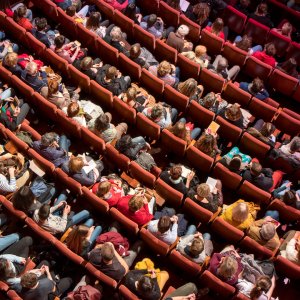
(237, 104)
(62, 203)
(215, 190)
(30, 58)
(174, 219)
(153, 274)
(191, 175)
(289, 184)
(55, 144)
(190, 297)
(91, 229)
(98, 65)
(9, 99)
(11, 171)
(23, 261)
(6, 44)
(122, 44)
(96, 173)
(67, 209)
(119, 74)
(197, 234)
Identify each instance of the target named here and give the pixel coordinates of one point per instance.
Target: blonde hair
(75, 164)
(164, 68)
(188, 87)
(11, 59)
(135, 203)
(32, 68)
(103, 188)
(200, 50)
(240, 212)
(116, 33)
(228, 267)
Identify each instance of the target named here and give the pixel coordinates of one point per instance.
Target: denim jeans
(64, 143)
(6, 241)
(62, 197)
(273, 214)
(3, 219)
(64, 5)
(253, 49)
(195, 133)
(191, 230)
(206, 236)
(138, 140)
(2, 35)
(78, 218)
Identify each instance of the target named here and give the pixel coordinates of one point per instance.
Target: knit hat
(183, 30)
(267, 231)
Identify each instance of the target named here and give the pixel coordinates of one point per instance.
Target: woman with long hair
(191, 89)
(217, 28)
(207, 143)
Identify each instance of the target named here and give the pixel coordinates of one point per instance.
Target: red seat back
(41, 161)
(175, 98)
(67, 24)
(124, 22)
(147, 127)
(70, 126)
(257, 31)
(234, 55)
(144, 37)
(212, 82)
(101, 95)
(142, 175)
(213, 43)
(252, 247)
(172, 143)
(287, 124)
(294, 51)
(188, 68)
(255, 68)
(228, 131)
(82, 80)
(55, 60)
(234, 19)
(169, 15)
(199, 160)
(165, 52)
(126, 112)
(287, 268)
(194, 33)
(287, 213)
(98, 203)
(87, 37)
(126, 293)
(152, 83)
(68, 182)
(281, 42)
(262, 110)
(91, 139)
(106, 52)
(120, 160)
(200, 115)
(233, 94)
(128, 67)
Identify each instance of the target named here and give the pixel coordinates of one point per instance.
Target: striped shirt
(7, 186)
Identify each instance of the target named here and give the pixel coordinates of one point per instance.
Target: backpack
(26, 137)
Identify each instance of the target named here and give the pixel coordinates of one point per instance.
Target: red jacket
(220, 35)
(141, 217)
(25, 23)
(116, 5)
(262, 56)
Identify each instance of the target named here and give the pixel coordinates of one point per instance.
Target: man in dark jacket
(31, 76)
(259, 176)
(40, 31)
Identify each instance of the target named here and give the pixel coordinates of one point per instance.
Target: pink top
(116, 5)
(220, 35)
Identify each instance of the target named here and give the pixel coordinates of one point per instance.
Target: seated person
(161, 114)
(183, 131)
(220, 67)
(70, 52)
(255, 88)
(21, 18)
(206, 198)
(240, 214)
(290, 248)
(116, 39)
(63, 4)
(105, 258)
(34, 78)
(137, 208)
(141, 56)
(56, 94)
(155, 25)
(84, 112)
(267, 56)
(78, 17)
(88, 66)
(263, 131)
(93, 23)
(243, 6)
(82, 238)
(292, 149)
(207, 143)
(217, 28)
(75, 169)
(6, 239)
(58, 218)
(174, 178)
(112, 79)
(132, 12)
(264, 232)
(261, 15)
(42, 32)
(286, 29)
(167, 72)
(196, 247)
(106, 130)
(259, 176)
(191, 89)
(213, 102)
(235, 160)
(233, 114)
(110, 190)
(289, 67)
(10, 62)
(13, 110)
(8, 183)
(53, 147)
(226, 265)
(178, 40)
(287, 195)
(245, 43)
(131, 147)
(200, 57)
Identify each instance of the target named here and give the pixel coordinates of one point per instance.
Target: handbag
(85, 292)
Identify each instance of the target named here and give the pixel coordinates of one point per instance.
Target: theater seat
(142, 175)
(147, 127)
(255, 68)
(291, 113)
(35, 45)
(98, 203)
(234, 19)
(5, 74)
(169, 15)
(294, 51)
(234, 55)
(94, 142)
(128, 67)
(262, 110)
(172, 143)
(199, 160)
(21, 146)
(45, 107)
(281, 42)
(145, 38)
(101, 276)
(228, 132)
(287, 213)
(53, 59)
(212, 82)
(152, 83)
(124, 22)
(287, 268)
(45, 164)
(45, 235)
(213, 43)
(9, 206)
(175, 98)
(126, 112)
(250, 246)
(233, 94)
(70, 126)
(200, 115)
(87, 37)
(101, 96)
(120, 160)
(12, 295)
(106, 52)
(257, 31)
(194, 33)
(165, 52)
(106, 9)
(188, 68)
(148, 6)
(82, 80)
(22, 87)
(68, 182)
(287, 124)
(126, 293)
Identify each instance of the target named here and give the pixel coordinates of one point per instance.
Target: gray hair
(116, 33)
(48, 138)
(183, 30)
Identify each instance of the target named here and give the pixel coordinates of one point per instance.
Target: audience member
(199, 56)
(289, 67)
(255, 88)
(33, 77)
(217, 28)
(261, 15)
(220, 67)
(89, 66)
(142, 56)
(263, 131)
(183, 131)
(178, 40)
(167, 72)
(155, 25)
(267, 56)
(233, 114)
(191, 89)
(289, 249)
(292, 149)
(207, 143)
(285, 30)
(21, 17)
(213, 102)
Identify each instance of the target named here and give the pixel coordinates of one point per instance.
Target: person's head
(188, 87)
(183, 30)
(23, 198)
(164, 68)
(201, 11)
(59, 41)
(131, 93)
(20, 12)
(235, 163)
(233, 113)
(103, 188)
(289, 66)
(75, 164)
(200, 50)
(145, 285)
(244, 3)
(102, 123)
(53, 86)
(245, 43)
(164, 224)
(179, 129)
(174, 4)
(86, 63)
(135, 51)
(271, 49)
(287, 29)
(263, 285)
(206, 143)
(203, 190)
(5, 270)
(41, 23)
(157, 111)
(107, 253)
(71, 10)
(111, 73)
(217, 26)
(124, 143)
(196, 247)
(151, 20)
(295, 144)
(175, 172)
(209, 100)
(267, 231)
(32, 68)
(267, 129)
(240, 212)
(255, 169)
(11, 59)
(94, 20)
(228, 267)
(76, 238)
(257, 86)
(289, 198)
(262, 9)
(222, 64)
(130, 11)
(116, 34)
(44, 212)
(73, 109)
(49, 138)
(135, 203)
(29, 280)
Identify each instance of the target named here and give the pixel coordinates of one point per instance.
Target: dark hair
(267, 129)
(59, 41)
(124, 143)
(256, 169)
(175, 172)
(257, 85)
(29, 280)
(289, 198)
(20, 13)
(101, 123)
(48, 138)
(41, 23)
(295, 144)
(271, 49)
(235, 163)
(151, 20)
(145, 284)
(94, 20)
(289, 66)
(135, 51)
(263, 284)
(164, 224)
(262, 8)
(4, 4)
(5, 272)
(44, 212)
(245, 43)
(174, 4)
(71, 10)
(23, 199)
(130, 11)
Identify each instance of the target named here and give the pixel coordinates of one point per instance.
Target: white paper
(36, 168)
(90, 167)
(184, 5)
(212, 183)
(1, 149)
(88, 108)
(185, 171)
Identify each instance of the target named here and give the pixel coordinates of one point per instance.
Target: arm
(184, 241)
(10, 186)
(14, 258)
(171, 238)
(121, 260)
(271, 290)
